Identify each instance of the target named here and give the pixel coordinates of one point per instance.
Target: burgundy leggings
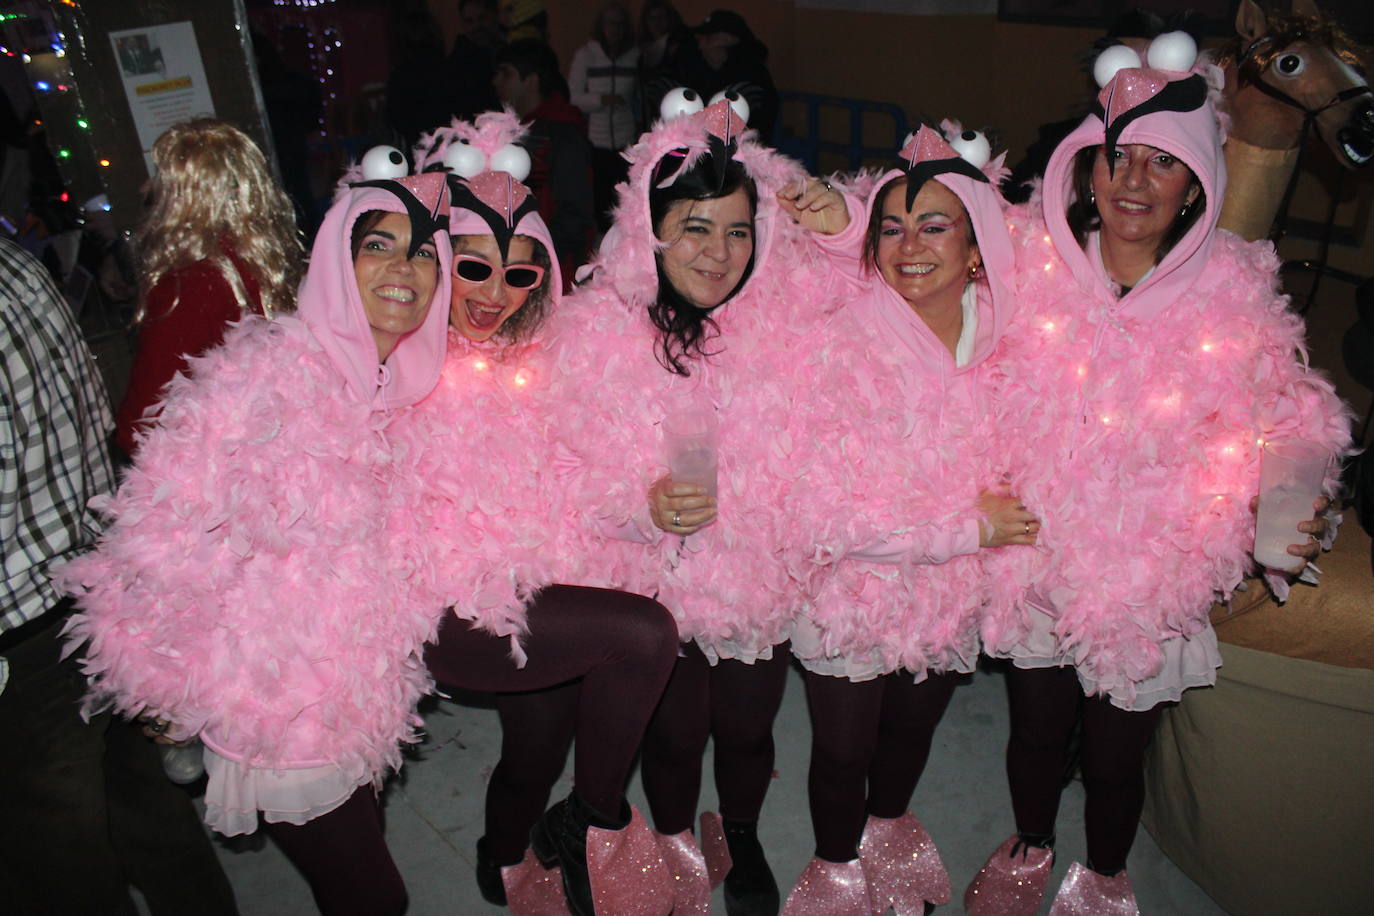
(869, 745)
(1045, 705)
(606, 654)
(343, 856)
(731, 702)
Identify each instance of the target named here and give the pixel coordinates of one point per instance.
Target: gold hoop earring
(973, 270)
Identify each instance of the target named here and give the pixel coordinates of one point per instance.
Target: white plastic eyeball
(464, 160)
(737, 103)
(384, 162)
(973, 147)
(1117, 57)
(681, 101)
(513, 160)
(1174, 51)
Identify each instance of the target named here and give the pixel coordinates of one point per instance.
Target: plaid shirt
(54, 425)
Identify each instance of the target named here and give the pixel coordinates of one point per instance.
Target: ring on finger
(677, 519)
(1027, 527)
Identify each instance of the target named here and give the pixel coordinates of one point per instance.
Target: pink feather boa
(730, 585)
(1137, 445)
(261, 580)
(903, 454)
(481, 491)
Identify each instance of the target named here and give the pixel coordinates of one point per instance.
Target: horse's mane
(1280, 33)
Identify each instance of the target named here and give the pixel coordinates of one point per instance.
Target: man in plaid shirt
(85, 809)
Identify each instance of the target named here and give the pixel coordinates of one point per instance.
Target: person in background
(471, 60)
(85, 809)
(418, 64)
(529, 81)
(523, 19)
(604, 81)
(660, 26)
(661, 31)
(727, 55)
(219, 243)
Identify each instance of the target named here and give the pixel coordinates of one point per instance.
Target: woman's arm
(188, 311)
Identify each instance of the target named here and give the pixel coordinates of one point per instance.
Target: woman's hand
(680, 508)
(157, 730)
(1007, 520)
(816, 205)
(1315, 529)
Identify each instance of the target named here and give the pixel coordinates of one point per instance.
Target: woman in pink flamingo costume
(705, 293)
(256, 586)
(893, 626)
(271, 578)
(582, 662)
(1150, 356)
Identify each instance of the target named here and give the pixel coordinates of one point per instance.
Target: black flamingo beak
(1356, 138)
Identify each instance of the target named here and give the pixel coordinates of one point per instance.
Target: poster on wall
(164, 79)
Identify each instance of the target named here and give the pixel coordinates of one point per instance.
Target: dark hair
(683, 327)
(874, 232)
(530, 55)
(627, 40)
(526, 321)
(365, 223)
(1083, 217)
(674, 18)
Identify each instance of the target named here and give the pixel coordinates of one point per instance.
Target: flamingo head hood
(962, 161)
(686, 133)
(331, 305)
(1168, 102)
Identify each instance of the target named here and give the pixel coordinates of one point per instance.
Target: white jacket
(593, 75)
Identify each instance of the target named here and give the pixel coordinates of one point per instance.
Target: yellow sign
(181, 82)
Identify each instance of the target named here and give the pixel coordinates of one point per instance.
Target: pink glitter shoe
(1011, 882)
(687, 867)
(1086, 893)
(532, 889)
(830, 889)
(715, 848)
(902, 865)
(626, 870)
(609, 866)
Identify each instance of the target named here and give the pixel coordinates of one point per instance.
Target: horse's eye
(1290, 65)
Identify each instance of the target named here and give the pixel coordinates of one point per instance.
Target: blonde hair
(213, 191)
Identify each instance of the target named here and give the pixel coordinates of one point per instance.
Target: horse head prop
(1286, 76)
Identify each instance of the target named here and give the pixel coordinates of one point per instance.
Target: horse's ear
(1251, 22)
(1307, 9)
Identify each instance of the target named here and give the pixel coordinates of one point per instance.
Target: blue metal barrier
(808, 145)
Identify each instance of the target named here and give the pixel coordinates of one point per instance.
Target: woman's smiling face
(396, 290)
(1141, 198)
(477, 310)
(925, 254)
(710, 243)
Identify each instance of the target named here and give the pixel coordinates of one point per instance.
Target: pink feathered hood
(625, 259)
(331, 306)
(1171, 111)
(974, 178)
(486, 165)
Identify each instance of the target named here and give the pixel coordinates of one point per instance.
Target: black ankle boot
(750, 889)
(560, 838)
(489, 880)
